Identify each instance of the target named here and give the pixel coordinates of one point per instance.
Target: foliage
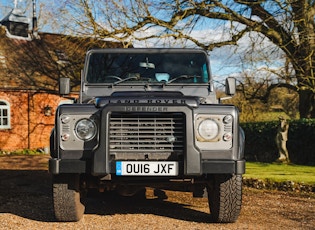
(23, 152)
(270, 116)
(301, 143)
(272, 104)
(284, 100)
(260, 141)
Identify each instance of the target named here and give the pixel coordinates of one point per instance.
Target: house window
(4, 115)
(62, 57)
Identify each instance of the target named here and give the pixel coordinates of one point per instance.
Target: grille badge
(171, 139)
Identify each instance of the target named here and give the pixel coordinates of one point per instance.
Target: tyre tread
(225, 198)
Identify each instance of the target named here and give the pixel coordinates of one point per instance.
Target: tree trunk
(304, 72)
(307, 104)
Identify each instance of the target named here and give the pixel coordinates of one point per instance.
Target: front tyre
(225, 197)
(66, 197)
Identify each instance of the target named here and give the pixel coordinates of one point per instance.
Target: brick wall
(30, 127)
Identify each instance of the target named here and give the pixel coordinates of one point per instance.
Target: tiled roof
(38, 63)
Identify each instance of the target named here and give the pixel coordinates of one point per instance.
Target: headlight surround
(213, 131)
(208, 129)
(85, 129)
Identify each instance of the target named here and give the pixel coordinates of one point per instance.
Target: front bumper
(58, 166)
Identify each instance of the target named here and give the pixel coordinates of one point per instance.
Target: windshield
(115, 68)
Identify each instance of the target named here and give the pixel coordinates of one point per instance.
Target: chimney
(34, 20)
(16, 22)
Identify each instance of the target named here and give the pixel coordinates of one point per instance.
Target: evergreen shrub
(260, 142)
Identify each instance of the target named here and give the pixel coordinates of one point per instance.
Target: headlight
(85, 129)
(208, 129)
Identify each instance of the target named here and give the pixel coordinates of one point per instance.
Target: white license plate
(146, 168)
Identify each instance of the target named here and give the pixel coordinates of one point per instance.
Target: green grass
(281, 172)
(21, 152)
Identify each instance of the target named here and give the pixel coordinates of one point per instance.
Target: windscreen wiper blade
(182, 76)
(135, 77)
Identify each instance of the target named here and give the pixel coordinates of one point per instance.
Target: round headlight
(85, 129)
(208, 129)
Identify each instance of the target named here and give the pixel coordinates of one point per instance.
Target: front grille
(149, 135)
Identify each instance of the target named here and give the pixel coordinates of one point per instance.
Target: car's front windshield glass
(115, 68)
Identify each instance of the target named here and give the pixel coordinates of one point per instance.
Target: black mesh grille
(146, 133)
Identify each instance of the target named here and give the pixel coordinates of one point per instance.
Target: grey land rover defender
(147, 118)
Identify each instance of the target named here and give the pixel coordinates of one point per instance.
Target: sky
(7, 5)
(225, 61)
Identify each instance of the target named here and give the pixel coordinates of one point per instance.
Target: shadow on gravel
(109, 203)
(28, 194)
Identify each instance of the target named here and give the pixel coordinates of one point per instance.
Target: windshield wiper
(182, 76)
(135, 77)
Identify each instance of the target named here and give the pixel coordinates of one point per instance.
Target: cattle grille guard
(146, 136)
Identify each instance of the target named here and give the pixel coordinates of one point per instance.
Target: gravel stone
(26, 203)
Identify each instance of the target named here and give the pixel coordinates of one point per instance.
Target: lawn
(281, 172)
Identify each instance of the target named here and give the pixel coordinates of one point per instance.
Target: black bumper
(58, 166)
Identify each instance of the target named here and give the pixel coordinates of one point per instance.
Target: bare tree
(288, 24)
(38, 64)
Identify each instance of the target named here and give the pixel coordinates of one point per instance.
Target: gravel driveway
(26, 203)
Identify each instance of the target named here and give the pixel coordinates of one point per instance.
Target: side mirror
(64, 86)
(230, 86)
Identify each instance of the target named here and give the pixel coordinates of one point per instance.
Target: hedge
(260, 141)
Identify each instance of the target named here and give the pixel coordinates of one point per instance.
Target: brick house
(30, 66)
(26, 119)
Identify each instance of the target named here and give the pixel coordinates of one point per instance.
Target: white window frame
(5, 115)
